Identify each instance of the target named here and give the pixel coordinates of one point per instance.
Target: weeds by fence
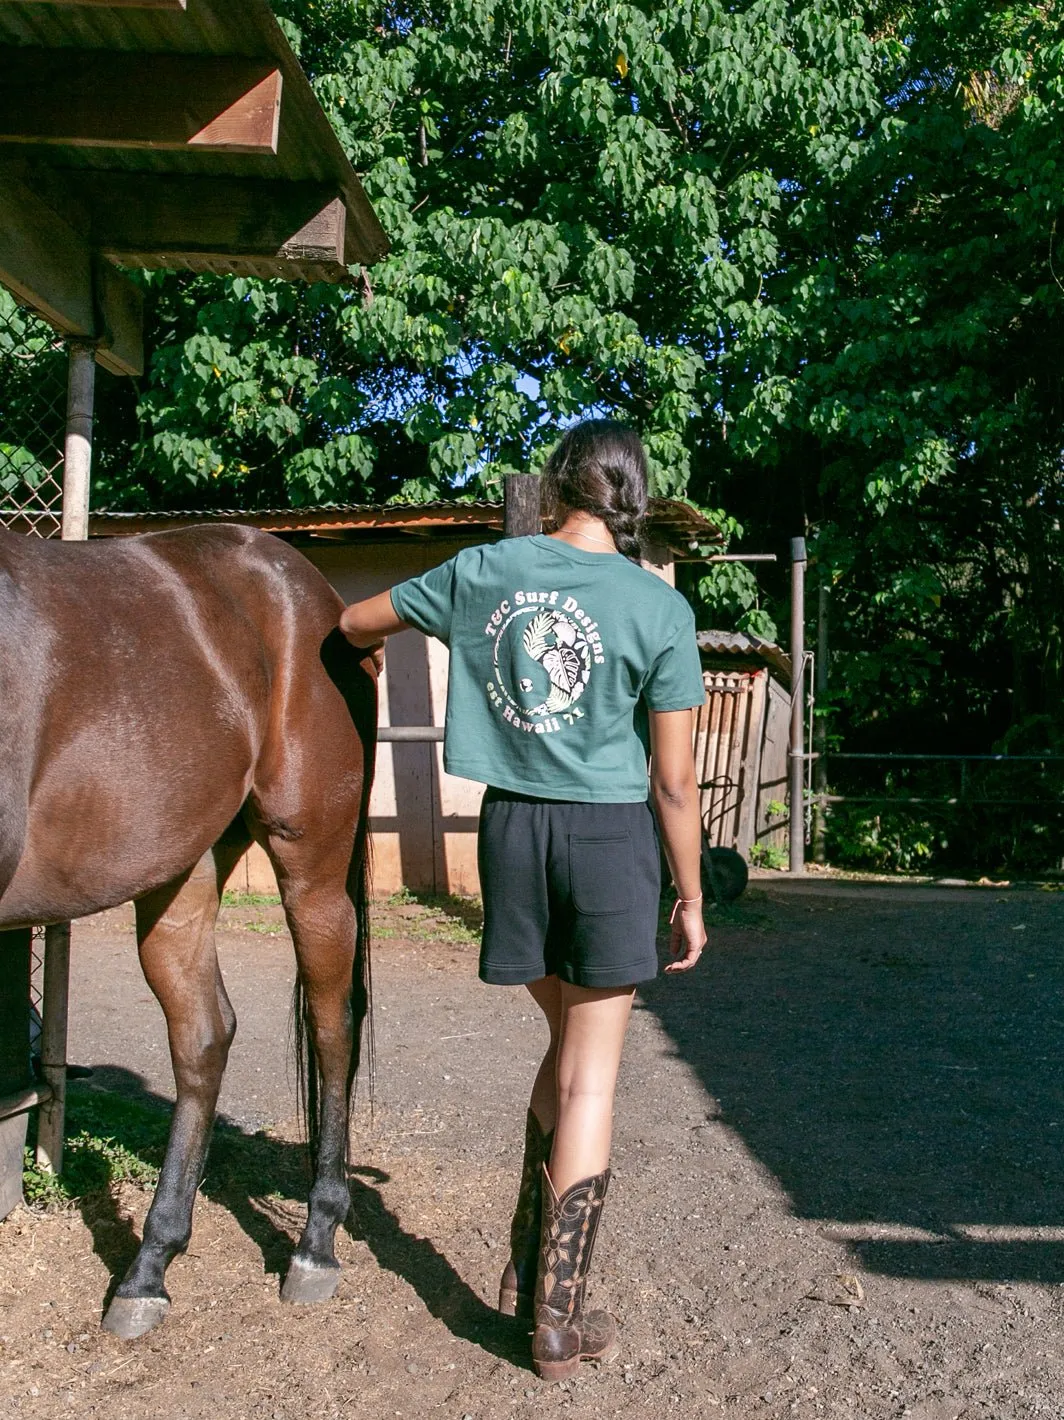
(905, 812)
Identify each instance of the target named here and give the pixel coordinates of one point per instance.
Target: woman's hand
(688, 935)
(376, 655)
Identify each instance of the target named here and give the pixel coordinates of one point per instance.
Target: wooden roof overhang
(670, 523)
(162, 133)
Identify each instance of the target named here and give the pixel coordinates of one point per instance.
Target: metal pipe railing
(409, 734)
(1009, 758)
(963, 799)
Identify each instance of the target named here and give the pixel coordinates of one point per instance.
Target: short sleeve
(674, 681)
(427, 602)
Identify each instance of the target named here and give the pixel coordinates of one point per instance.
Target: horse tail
(359, 887)
(308, 1078)
(362, 969)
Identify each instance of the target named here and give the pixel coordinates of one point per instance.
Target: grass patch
(442, 917)
(251, 899)
(403, 898)
(109, 1140)
(768, 855)
(113, 1140)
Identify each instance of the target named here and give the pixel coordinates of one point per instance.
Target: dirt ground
(838, 1184)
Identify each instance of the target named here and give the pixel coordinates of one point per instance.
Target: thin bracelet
(682, 902)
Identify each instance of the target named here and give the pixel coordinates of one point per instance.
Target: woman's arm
(366, 623)
(674, 792)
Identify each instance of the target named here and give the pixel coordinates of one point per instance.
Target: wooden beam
(44, 262)
(50, 267)
(142, 219)
(120, 317)
(108, 99)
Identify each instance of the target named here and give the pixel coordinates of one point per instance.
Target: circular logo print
(542, 661)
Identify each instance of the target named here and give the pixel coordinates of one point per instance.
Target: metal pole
(797, 737)
(520, 509)
(77, 451)
(820, 724)
(77, 472)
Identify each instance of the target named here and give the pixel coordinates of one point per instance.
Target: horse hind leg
(175, 932)
(322, 880)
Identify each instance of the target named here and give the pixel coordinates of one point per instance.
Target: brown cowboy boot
(518, 1285)
(565, 1333)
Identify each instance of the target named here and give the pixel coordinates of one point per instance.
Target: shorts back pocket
(601, 873)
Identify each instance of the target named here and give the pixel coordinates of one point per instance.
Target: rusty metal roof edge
(253, 515)
(685, 519)
(740, 643)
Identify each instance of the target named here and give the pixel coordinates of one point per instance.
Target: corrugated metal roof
(737, 645)
(682, 527)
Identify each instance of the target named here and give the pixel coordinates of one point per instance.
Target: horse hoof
(130, 1317)
(307, 1282)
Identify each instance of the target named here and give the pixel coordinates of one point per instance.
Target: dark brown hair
(599, 467)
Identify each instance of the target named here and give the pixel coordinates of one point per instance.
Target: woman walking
(569, 665)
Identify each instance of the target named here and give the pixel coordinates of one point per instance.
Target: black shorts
(570, 890)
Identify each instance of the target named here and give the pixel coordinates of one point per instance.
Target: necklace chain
(591, 538)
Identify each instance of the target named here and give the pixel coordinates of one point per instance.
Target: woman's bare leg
(546, 992)
(590, 1038)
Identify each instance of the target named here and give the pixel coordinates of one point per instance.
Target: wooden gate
(741, 759)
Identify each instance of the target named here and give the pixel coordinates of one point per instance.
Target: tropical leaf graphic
(556, 702)
(563, 667)
(536, 638)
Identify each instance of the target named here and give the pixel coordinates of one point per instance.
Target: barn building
(423, 821)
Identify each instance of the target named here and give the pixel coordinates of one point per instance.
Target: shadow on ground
(897, 1060)
(249, 1175)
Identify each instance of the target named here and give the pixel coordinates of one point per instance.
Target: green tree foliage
(911, 391)
(585, 203)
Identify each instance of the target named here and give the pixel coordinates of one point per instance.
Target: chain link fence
(33, 376)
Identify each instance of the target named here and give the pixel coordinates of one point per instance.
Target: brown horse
(165, 700)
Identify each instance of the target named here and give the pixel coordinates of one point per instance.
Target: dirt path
(858, 1081)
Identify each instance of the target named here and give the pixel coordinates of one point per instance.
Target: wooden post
(797, 736)
(77, 472)
(51, 1121)
(521, 516)
(16, 1081)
